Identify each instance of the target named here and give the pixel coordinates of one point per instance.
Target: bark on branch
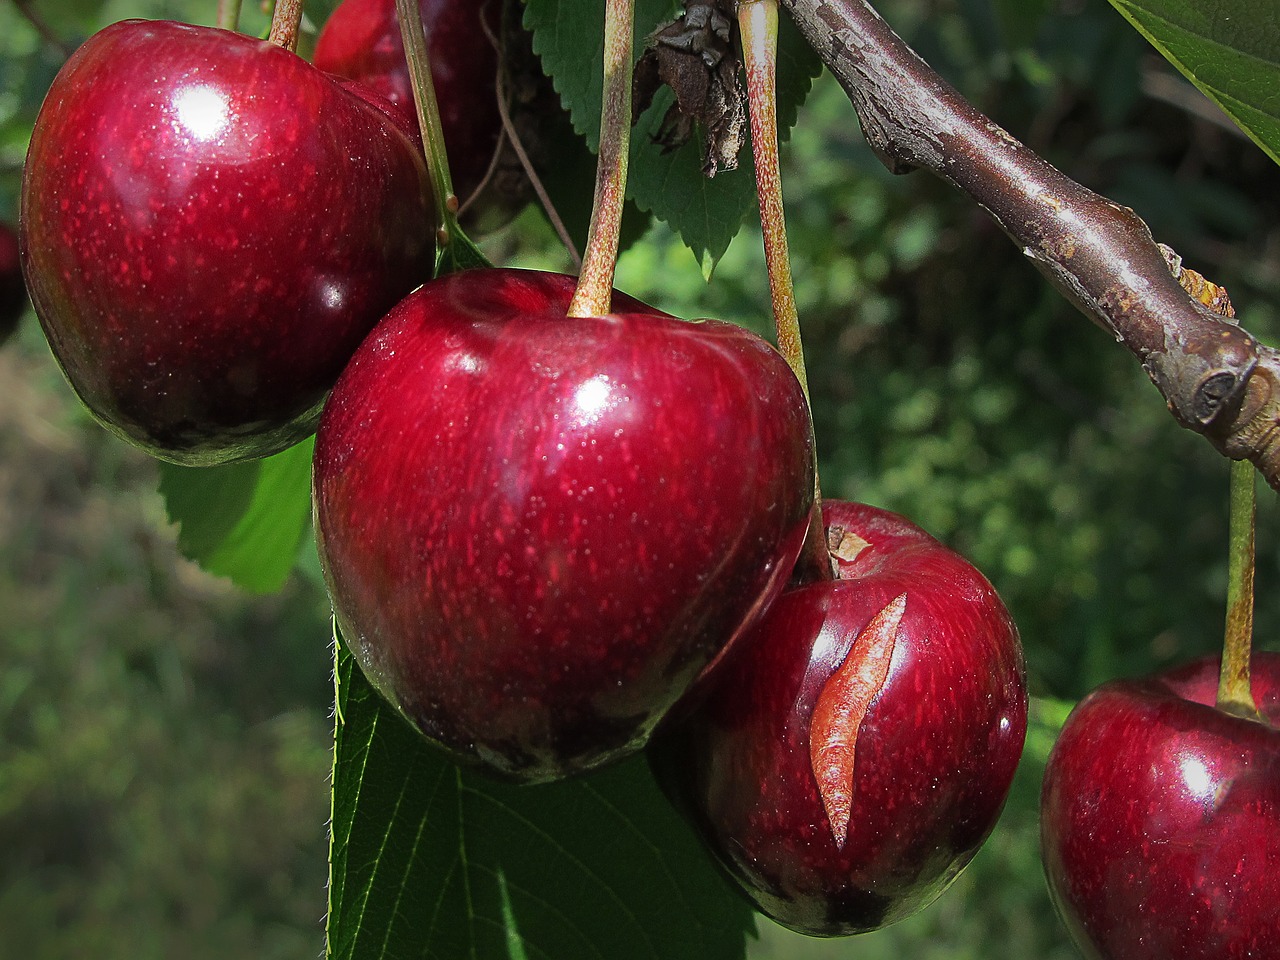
(1218, 380)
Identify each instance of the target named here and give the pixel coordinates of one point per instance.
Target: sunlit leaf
(1231, 51)
(244, 521)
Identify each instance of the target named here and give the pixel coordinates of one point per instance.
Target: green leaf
(706, 213)
(245, 520)
(567, 35)
(428, 860)
(1231, 51)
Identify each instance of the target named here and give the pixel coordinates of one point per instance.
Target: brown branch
(1218, 380)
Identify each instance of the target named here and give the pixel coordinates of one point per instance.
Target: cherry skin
(852, 756)
(537, 531)
(361, 40)
(210, 226)
(1160, 819)
(13, 292)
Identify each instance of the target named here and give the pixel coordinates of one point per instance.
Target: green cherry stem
(758, 24)
(594, 294)
(1235, 693)
(456, 249)
(228, 14)
(286, 21)
(424, 98)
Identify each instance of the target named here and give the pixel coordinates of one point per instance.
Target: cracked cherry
(13, 292)
(856, 751)
(1160, 819)
(210, 226)
(538, 530)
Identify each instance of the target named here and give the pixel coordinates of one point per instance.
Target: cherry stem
(228, 14)
(758, 24)
(424, 98)
(1235, 693)
(526, 164)
(594, 294)
(286, 21)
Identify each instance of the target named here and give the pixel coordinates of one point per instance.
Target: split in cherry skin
(13, 291)
(1160, 819)
(856, 751)
(538, 531)
(210, 226)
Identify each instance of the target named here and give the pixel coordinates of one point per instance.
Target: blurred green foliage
(163, 762)
(165, 742)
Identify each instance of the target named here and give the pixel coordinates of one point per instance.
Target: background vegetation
(164, 738)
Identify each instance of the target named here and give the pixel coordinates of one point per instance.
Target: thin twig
(494, 159)
(513, 137)
(47, 33)
(495, 156)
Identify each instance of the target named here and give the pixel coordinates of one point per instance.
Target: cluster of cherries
(550, 541)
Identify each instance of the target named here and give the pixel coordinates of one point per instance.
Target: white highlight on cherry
(202, 111)
(592, 398)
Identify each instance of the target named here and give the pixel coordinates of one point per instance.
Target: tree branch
(1218, 380)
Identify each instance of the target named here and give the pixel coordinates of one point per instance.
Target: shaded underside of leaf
(1230, 50)
(432, 861)
(244, 521)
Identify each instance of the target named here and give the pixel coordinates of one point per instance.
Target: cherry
(361, 40)
(853, 755)
(210, 227)
(537, 531)
(1160, 819)
(13, 292)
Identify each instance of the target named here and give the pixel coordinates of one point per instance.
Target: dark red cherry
(537, 530)
(1160, 819)
(855, 751)
(210, 226)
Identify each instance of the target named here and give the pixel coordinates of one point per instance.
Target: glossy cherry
(13, 292)
(1160, 819)
(210, 226)
(362, 41)
(853, 755)
(538, 531)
